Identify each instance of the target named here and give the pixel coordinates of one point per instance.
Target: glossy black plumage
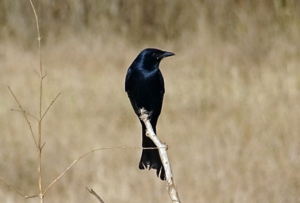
(144, 85)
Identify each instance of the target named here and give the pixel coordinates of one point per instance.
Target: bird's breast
(146, 88)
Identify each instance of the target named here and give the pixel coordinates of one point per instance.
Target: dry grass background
(230, 116)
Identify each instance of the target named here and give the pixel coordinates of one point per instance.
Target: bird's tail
(150, 157)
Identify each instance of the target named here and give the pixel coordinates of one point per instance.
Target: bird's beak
(166, 54)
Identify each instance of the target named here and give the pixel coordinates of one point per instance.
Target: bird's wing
(127, 80)
(128, 90)
(162, 84)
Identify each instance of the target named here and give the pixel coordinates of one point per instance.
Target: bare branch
(95, 194)
(43, 145)
(25, 115)
(82, 156)
(41, 194)
(37, 22)
(37, 73)
(44, 75)
(162, 148)
(15, 190)
(50, 105)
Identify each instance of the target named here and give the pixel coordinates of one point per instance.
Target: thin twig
(36, 19)
(15, 190)
(50, 105)
(44, 75)
(37, 73)
(75, 161)
(41, 195)
(25, 115)
(43, 145)
(95, 194)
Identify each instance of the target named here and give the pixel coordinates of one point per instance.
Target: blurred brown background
(231, 110)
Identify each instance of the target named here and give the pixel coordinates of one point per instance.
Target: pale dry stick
(39, 148)
(50, 106)
(35, 118)
(15, 190)
(162, 148)
(82, 156)
(40, 108)
(25, 115)
(95, 194)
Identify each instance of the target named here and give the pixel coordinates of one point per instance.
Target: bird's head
(152, 57)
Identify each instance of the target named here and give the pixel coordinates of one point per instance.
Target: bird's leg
(146, 116)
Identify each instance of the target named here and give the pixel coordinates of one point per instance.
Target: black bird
(144, 85)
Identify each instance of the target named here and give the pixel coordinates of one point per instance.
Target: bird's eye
(155, 55)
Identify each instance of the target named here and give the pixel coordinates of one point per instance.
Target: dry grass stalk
(40, 147)
(38, 143)
(95, 194)
(82, 156)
